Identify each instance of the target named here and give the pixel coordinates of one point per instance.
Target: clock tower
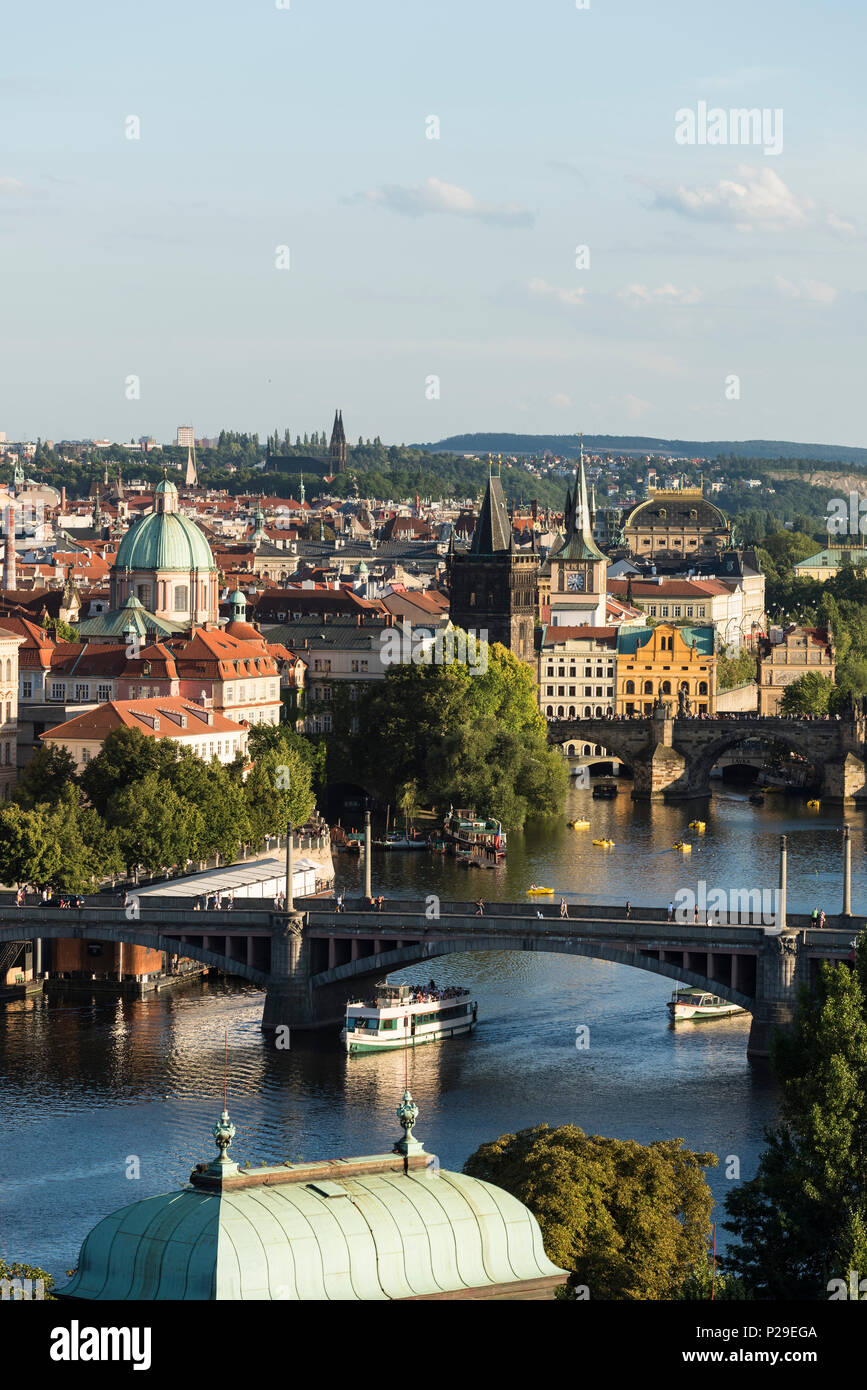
(578, 567)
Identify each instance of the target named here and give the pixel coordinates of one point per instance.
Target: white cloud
(10, 185)
(436, 196)
(541, 287)
(635, 407)
(663, 294)
(815, 291)
(561, 401)
(839, 224)
(752, 197)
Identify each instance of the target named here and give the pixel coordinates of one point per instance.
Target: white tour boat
(404, 1016)
(699, 1003)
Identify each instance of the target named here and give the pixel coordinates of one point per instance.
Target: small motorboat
(603, 790)
(700, 1003)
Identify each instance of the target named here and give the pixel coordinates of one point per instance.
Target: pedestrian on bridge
(564, 909)
(671, 912)
(628, 909)
(822, 918)
(480, 908)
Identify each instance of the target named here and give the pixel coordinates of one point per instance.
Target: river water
(96, 1089)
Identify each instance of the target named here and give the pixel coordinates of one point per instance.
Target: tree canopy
(628, 1220)
(802, 1220)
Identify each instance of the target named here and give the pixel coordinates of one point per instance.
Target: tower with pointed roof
(191, 477)
(337, 448)
(492, 586)
(578, 567)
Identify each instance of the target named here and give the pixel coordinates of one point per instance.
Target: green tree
(155, 827)
(127, 756)
(801, 1220)
(222, 824)
(809, 694)
(735, 669)
(16, 1270)
(278, 790)
(45, 778)
(27, 854)
(628, 1220)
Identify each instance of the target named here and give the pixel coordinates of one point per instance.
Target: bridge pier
(779, 970)
(289, 995)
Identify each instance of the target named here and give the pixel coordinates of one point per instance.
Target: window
(677, 610)
(58, 690)
(82, 692)
(182, 598)
(227, 694)
(143, 594)
(26, 690)
(103, 693)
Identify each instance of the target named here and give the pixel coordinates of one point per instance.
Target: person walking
(671, 912)
(695, 915)
(815, 916)
(628, 909)
(564, 910)
(480, 908)
(821, 919)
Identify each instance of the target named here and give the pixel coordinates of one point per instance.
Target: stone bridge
(313, 960)
(671, 758)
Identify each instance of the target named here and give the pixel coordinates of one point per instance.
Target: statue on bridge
(661, 706)
(684, 704)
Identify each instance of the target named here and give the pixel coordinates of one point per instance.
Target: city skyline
(292, 207)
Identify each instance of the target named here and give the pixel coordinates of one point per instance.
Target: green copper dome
(164, 541)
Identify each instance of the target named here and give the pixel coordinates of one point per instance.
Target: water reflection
(89, 1083)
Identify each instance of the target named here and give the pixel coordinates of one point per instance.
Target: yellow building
(786, 655)
(662, 662)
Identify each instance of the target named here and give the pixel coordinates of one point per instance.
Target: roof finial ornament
(407, 1113)
(224, 1133)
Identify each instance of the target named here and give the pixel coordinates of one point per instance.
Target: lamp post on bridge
(290, 900)
(368, 891)
(781, 900)
(847, 871)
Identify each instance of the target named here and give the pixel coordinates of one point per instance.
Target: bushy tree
(801, 1221)
(628, 1220)
(809, 694)
(46, 777)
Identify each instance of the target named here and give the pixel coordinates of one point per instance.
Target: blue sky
(413, 258)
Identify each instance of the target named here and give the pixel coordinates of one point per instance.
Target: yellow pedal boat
(537, 892)
(578, 824)
(697, 825)
(607, 844)
(815, 805)
(686, 849)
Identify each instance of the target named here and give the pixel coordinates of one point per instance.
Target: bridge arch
(135, 936)
(705, 758)
(366, 967)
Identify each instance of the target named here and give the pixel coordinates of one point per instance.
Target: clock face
(575, 581)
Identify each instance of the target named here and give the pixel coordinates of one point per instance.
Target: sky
(231, 213)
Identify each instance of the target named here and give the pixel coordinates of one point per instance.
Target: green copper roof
(377, 1236)
(131, 617)
(360, 1229)
(164, 541)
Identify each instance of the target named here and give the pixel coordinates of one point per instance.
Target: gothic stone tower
(337, 449)
(492, 588)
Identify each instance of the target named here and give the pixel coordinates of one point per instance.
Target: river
(89, 1085)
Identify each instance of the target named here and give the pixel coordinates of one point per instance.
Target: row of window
(588, 690)
(661, 610)
(572, 712)
(664, 688)
(572, 672)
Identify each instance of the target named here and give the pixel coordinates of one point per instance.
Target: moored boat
(407, 1016)
(692, 1003)
(604, 790)
(470, 836)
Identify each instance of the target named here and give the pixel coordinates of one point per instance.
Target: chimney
(63, 499)
(10, 573)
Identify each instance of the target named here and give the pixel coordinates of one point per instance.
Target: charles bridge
(671, 756)
(311, 960)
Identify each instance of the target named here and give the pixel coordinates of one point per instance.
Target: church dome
(164, 541)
